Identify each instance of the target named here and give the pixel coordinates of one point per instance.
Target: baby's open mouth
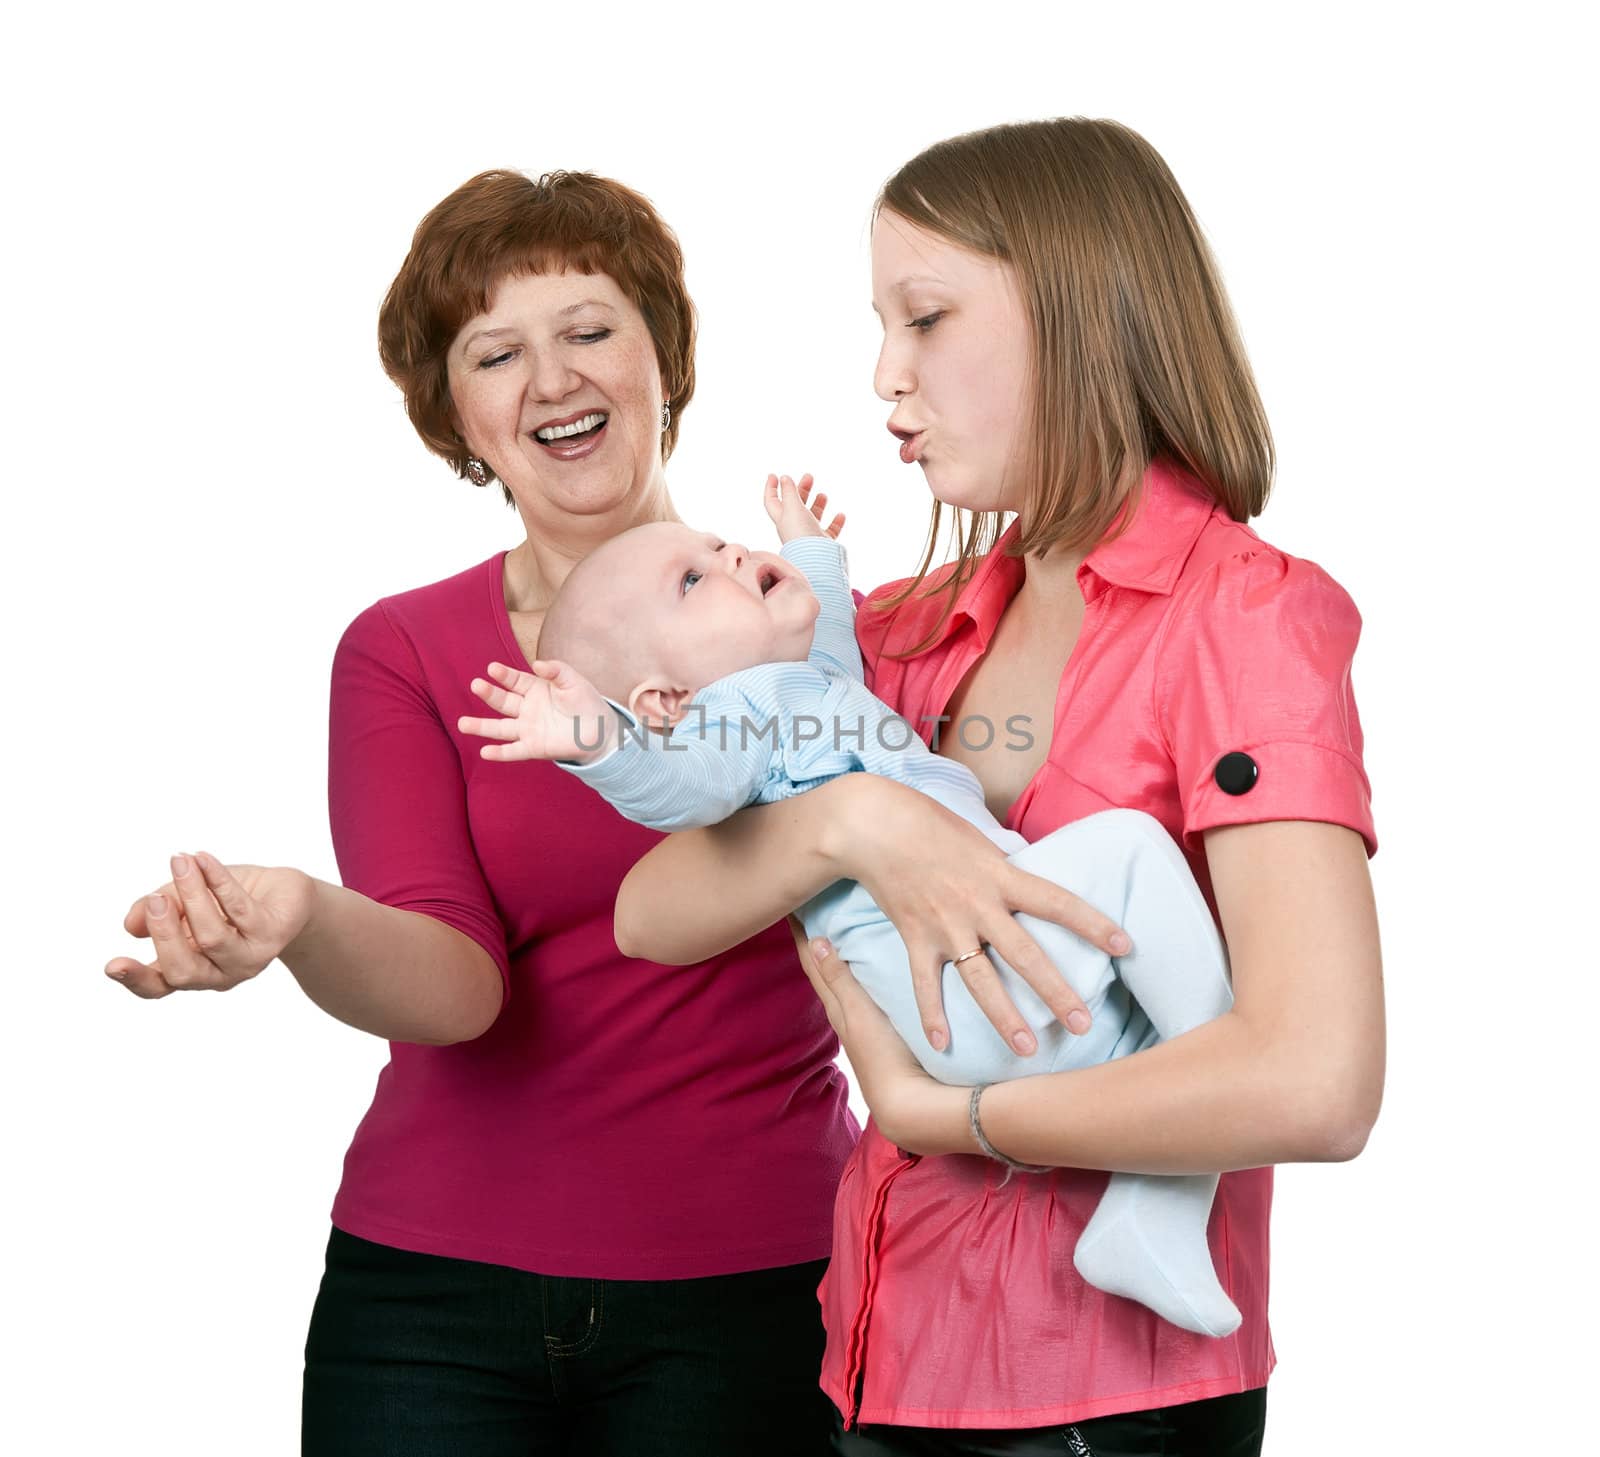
(768, 578)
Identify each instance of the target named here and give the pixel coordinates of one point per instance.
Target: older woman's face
(956, 363)
(556, 386)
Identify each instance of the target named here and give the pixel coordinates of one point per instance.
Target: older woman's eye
(687, 583)
(490, 361)
(592, 336)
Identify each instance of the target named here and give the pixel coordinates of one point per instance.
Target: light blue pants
(1126, 865)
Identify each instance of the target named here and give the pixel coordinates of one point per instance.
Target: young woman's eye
(689, 579)
(927, 321)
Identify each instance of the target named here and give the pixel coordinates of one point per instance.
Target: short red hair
(501, 224)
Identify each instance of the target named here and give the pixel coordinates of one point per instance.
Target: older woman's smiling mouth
(573, 436)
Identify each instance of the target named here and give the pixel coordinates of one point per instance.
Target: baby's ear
(660, 707)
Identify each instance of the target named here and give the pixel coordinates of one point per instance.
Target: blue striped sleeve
(833, 645)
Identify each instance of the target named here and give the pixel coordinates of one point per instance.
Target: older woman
(1057, 345)
(589, 1206)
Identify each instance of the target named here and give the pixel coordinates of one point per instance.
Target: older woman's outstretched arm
(411, 948)
(397, 974)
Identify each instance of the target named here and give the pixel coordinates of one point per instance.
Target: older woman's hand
(948, 888)
(213, 925)
(911, 1108)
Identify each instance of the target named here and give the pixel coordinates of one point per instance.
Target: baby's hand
(786, 505)
(547, 712)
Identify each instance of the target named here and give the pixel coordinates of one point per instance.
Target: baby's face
(704, 607)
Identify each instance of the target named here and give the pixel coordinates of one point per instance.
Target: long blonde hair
(1135, 350)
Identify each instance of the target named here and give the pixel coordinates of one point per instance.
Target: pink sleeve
(396, 798)
(1253, 696)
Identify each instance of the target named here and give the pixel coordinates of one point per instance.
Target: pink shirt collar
(1170, 508)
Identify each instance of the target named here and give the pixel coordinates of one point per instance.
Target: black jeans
(414, 1355)
(1223, 1426)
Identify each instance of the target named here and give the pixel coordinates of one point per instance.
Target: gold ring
(976, 951)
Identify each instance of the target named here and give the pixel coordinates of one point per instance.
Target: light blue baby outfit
(770, 732)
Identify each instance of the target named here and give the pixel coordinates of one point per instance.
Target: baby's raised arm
(833, 639)
(793, 513)
(818, 554)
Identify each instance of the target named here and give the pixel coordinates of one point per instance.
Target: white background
(209, 476)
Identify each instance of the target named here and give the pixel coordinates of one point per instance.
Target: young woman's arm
(1294, 1073)
(701, 891)
(943, 884)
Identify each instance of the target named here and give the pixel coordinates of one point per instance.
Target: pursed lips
(910, 442)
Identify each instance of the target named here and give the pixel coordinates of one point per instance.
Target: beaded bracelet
(989, 1148)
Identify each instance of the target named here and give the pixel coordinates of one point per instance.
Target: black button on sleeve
(1235, 773)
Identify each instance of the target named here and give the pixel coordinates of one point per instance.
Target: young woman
(1057, 345)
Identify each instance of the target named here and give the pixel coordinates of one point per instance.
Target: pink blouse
(951, 1299)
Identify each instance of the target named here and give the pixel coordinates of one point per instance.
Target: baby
(743, 669)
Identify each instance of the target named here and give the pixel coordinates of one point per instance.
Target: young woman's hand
(787, 505)
(948, 889)
(911, 1108)
(213, 925)
(553, 712)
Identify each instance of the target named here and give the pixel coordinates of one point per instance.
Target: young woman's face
(556, 386)
(956, 363)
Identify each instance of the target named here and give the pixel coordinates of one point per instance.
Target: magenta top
(621, 1119)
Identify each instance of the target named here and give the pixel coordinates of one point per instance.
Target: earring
(666, 415)
(477, 471)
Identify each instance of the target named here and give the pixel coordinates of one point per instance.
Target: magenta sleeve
(1253, 697)
(396, 795)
